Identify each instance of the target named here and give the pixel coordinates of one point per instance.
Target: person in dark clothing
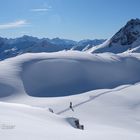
(71, 107)
(77, 123)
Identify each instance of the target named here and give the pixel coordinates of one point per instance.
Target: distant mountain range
(127, 39)
(17, 46)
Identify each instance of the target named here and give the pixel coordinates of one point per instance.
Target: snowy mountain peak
(128, 34)
(127, 38)
(133, 21)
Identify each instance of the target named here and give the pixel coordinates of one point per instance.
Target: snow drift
(105, 113)
(67, 73)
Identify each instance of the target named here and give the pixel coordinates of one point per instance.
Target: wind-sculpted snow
(62, 77)
(111, 114)
(105, 114)
(6, 90)
(69, 73)
(55, 77)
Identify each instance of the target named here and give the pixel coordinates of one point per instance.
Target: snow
(104, 90)
(135, 50)
(128, 37)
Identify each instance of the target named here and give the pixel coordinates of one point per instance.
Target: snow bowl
(54, 77)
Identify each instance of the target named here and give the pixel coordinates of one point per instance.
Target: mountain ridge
(127, 38)
(13, 47)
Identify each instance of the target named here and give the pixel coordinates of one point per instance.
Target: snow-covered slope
(105, 114)
(128, 37)
(135, 50)
(66, 73)
(109, 110)
(84, 45)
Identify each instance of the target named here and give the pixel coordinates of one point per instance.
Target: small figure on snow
(71, 107)
(51, 110)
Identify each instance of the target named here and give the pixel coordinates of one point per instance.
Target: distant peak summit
(133, 22)
(128, 34)
(125, 40)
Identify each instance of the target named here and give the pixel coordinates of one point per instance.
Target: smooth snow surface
(67, 73)
(104, 90)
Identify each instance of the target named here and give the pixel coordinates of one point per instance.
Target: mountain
(13, 47)
(87, 44)
(127, 38)
(58, 41)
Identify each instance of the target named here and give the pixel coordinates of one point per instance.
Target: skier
(71, 106)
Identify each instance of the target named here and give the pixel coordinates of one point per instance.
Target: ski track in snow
(109, 115)
(91, 98)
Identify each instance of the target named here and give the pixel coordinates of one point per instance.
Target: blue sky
(71, 19)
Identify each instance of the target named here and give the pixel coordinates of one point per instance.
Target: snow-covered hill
(104, 90)
(66, 73)
(105, 114)
(127, 38)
